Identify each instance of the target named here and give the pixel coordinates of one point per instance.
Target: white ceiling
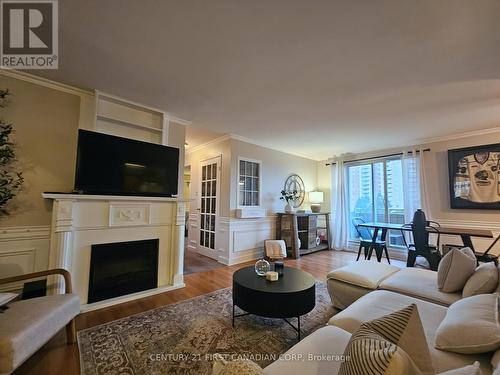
(316, 78)
(196, 136)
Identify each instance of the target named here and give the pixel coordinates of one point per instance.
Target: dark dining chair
(366, 242)
(486, 257)
(420, 229)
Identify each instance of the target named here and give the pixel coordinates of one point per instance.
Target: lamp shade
(316, 197)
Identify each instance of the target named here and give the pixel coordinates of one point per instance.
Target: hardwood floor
(58, 358)
(194, 262)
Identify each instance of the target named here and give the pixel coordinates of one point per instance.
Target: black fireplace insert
(121, 268)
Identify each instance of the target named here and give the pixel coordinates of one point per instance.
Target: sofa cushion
(364, 273)
(455, 269)
(419, 283)
(343, 294)
(483, 280)
(394, 344)
(473, 369)
(26, 325)
(383, 302)
(320, 353)
(470, 326)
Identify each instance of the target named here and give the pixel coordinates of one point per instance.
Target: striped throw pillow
(390, 345)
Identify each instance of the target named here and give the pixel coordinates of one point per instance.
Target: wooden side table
(300, 230)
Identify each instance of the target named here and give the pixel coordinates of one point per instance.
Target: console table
(300, 230)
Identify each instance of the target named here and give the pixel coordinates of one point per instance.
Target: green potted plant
(11, 180)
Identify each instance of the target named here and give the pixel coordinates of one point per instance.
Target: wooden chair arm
(58, 271)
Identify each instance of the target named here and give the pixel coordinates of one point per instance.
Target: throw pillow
(473, 369)
(495, 359)
(455, 269)
(497, 290)
(483, 280)
(236, 367)
(392, 344)
(5, 298)
(470, 326)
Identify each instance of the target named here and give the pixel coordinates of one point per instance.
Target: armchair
(25, 326)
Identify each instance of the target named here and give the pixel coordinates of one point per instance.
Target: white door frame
(201, 249)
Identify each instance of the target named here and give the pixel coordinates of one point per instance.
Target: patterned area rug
(182, 338)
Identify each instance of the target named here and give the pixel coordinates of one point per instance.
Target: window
(249, 182)
(377, 193)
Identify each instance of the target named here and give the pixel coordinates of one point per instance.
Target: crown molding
(240, 138)
(31, 78)
(466, 134)
(262, 144)
(177, 120)
(199, 147)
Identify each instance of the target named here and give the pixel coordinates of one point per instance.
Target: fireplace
(121, 268)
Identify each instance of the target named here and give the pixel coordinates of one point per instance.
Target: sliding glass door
(375, 191)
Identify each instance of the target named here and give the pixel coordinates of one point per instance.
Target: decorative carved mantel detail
(79, 221)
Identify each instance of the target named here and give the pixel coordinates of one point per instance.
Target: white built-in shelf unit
(124, 118)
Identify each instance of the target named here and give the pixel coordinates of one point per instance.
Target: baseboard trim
(129, 297)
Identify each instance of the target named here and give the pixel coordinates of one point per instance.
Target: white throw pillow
(455, 269)
(484, 280)
(470, 326)
(5, 298)
(473, 369)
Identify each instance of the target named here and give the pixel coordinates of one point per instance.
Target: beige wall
(276, 167)
(437, 180)
(325, 184)
(176, 138)
(45, 122)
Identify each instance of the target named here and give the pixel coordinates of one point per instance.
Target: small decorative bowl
(261, 267)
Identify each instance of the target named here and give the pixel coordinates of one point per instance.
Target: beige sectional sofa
(365, 291)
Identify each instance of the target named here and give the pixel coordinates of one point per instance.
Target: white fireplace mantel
(80, 221)
(91, 197)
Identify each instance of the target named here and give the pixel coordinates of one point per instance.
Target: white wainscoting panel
(246, 238)
(23, 250)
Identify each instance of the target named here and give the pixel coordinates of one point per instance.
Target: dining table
(466, 234)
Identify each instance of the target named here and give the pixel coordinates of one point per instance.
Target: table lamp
(315, 198)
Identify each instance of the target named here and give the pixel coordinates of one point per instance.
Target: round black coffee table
(293, 295)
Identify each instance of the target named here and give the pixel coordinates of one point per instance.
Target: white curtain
(414, 183)
(340, 215)
(415, 186)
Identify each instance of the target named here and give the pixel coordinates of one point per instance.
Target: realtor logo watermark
(29, 34)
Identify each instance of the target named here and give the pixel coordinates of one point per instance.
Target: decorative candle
(272, 276)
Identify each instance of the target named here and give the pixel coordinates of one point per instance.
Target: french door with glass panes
(209, 207)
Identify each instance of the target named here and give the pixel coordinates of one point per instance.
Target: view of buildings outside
(376, 194)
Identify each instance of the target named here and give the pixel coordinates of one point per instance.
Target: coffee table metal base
(296, 328)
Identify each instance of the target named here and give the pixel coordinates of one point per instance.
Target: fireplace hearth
(121, 268)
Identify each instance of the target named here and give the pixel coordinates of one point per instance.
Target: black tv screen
(119, 166)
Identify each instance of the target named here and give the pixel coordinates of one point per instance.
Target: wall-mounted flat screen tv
(112, 165)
